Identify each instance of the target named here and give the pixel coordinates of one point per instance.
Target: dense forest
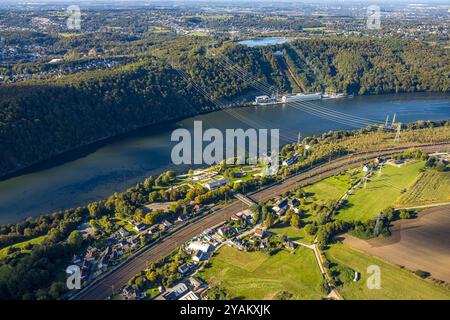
(39, 119)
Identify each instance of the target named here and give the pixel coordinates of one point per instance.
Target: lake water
(117, 165)
(262, 42)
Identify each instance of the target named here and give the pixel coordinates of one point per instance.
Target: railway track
(103, 288)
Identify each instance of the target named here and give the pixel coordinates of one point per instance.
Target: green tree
(75, 239)
(295, 221)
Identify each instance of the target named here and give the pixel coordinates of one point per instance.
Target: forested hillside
(363, 66)
(41, 119)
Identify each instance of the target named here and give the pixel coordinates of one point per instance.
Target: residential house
(289, 162)
(294, 203)
(238, 244)
(176, 292)
(123, 233)
(264, 243)
(289, 245)
(140, 226)
(185, 268)
(224, 231)
(281, 206)
(153, 230)
(199, 256)
(167, 224)
(260, 233)
(195, 282)
(91, 254)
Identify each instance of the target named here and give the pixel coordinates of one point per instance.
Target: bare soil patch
(422, 243)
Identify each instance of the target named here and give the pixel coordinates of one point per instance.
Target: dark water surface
(120, 163)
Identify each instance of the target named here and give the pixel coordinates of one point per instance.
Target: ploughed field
(396, 283)
(421, 243)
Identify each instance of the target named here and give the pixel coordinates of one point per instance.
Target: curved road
(102, 288)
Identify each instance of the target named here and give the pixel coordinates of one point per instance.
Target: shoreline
(90, 147)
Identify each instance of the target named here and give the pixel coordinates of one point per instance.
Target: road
(103, 288)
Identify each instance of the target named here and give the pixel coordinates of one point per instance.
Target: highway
(102, 289)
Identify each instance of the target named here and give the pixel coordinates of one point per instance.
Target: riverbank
(121, 162)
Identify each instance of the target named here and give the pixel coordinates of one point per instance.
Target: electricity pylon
(399, 130)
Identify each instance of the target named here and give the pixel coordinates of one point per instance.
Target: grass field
(431, 187)
(330, 189)
(256, 275)
(294, 234)
(20, 245)
(396, 283)
(381, 192)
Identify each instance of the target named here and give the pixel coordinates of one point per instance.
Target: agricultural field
(381, 192)
(416, 244)
(256, 275)
(396, 283)
(431, 187)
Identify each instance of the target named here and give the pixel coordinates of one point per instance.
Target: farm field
(421, 243)
(381, 192)
(256, 275)
(396, 283)
(431, 187)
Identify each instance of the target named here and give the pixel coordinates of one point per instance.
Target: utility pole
(299, 139)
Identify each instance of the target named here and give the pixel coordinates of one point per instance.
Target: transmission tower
(299, 139)
(393, 120)
(399, 130)
(387, 121)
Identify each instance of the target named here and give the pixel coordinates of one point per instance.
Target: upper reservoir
(98, 171)
(262, 42)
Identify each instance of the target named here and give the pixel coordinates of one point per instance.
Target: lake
(98, 171)
(262, 42)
